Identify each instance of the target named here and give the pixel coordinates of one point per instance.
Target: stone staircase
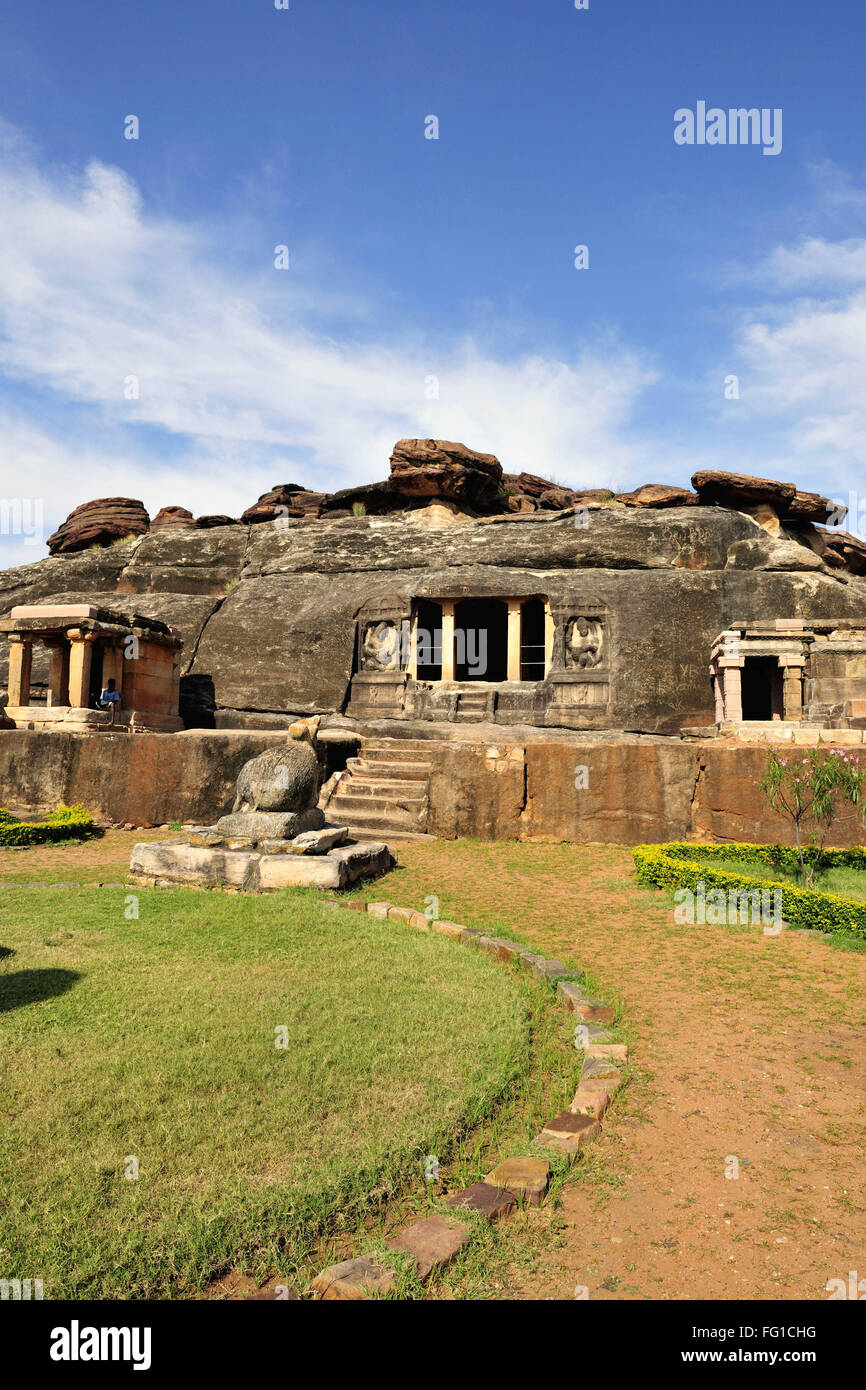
(383, 793)
(473, 706)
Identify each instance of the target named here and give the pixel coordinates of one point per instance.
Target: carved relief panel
(380, 647)
(585, 646)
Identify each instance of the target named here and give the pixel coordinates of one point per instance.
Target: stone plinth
(178, 862)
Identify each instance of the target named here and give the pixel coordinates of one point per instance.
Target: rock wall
(615, 791)
(145, 779)
(267, 612)
(619, 791)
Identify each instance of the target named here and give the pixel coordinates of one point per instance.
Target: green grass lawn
(154, 1040)
(851, 883)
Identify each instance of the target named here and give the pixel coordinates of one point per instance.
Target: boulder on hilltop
(441, 468)
(658, 495)
(100, 522)
(173, 519)
(742, 490)
(285, 500)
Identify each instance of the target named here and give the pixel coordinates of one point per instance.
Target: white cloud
(804, 368)
(243, 386)
(800, 352)
(95, 290)
(815, 262)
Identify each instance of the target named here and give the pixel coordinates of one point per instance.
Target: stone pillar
(718, 694)
(58, 680)
(732, 689)
(20, 666)
(80, 652)
(549, 633)
(412, 665)
(792, 692)
(448, 640)
(513, 669)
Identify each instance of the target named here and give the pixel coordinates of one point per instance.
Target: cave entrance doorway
(761, 688)
(480, 640)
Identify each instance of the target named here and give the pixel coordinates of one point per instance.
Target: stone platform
(177, 862)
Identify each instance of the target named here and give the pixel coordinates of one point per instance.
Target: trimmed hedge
(66, 823)
(679, 865)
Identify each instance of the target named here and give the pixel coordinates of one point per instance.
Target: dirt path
(746, 1048)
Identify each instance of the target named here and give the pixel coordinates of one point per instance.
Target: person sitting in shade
(110, 697)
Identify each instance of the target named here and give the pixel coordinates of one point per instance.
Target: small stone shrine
(89, 646)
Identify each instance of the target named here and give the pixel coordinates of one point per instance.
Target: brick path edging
(433, 1242)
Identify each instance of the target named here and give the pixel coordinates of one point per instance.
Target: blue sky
(413, 259)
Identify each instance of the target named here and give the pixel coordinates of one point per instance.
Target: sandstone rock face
(769, 553)
(786, 500)
(285, 778)
(370, 499)
(100, 522)
(733, 488)
(185, 562)
(151, 779)
(268, 613)
(440, 468)
(658, 495)
(206, 523)
(283, 501)
(527, 492)
(842, 550)
(173, 519)
(811, 506)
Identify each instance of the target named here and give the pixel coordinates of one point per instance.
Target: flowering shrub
(64, 823)
(811, 786)
(684, 865)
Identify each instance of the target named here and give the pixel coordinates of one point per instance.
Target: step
(394, 755)
(402, 791)
(396, 759)
(388, 771)
(388, 834)
(380, 741)
(350, 803)
(378, 826)
(344, 803)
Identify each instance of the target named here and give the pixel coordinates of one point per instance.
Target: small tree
(813, 786)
